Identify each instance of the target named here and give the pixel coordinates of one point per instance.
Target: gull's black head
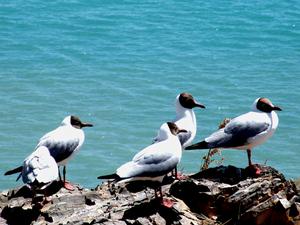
(186, 100)
(76, 122)
(265, 105)
(174, 128)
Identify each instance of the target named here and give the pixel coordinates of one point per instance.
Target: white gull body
(153, 162)
(245, 131)
(39, 168)
(63, 142)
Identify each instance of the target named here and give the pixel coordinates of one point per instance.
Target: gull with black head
(245, 131)
(185, 119)
(153, 162)
(63, 143)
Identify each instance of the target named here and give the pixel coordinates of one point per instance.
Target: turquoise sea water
(120, 65)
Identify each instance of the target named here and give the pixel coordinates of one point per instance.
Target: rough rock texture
(221, 195)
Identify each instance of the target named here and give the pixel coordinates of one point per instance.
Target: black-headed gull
(153, 162)
(185, 119)
(245, 131)
(62, 143)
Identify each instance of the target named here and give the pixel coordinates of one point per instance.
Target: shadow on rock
(14, 215)
(150, 208)
(136, 186)
(28, 213)
(26, 192)
(233, 175)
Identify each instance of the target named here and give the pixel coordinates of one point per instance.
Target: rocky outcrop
(221, 195)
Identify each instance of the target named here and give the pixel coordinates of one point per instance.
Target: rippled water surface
(120, 65)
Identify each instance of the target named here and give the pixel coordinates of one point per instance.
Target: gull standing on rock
(245, 131)
(62, 143)
(185, 119)
(153, 162)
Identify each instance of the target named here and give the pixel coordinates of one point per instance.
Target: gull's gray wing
(60, 149)
(149, 165)
(184, 137)
(235, 133)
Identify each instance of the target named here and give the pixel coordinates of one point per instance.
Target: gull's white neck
(274, 120)
(66, 121)
(272, 116)
(185, 113)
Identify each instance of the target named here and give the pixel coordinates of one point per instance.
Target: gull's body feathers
(186, 120)
(63, 142)
(153, 162)
(39, 167)
(245, 131)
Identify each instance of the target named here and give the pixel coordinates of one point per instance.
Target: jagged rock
(221, 195)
